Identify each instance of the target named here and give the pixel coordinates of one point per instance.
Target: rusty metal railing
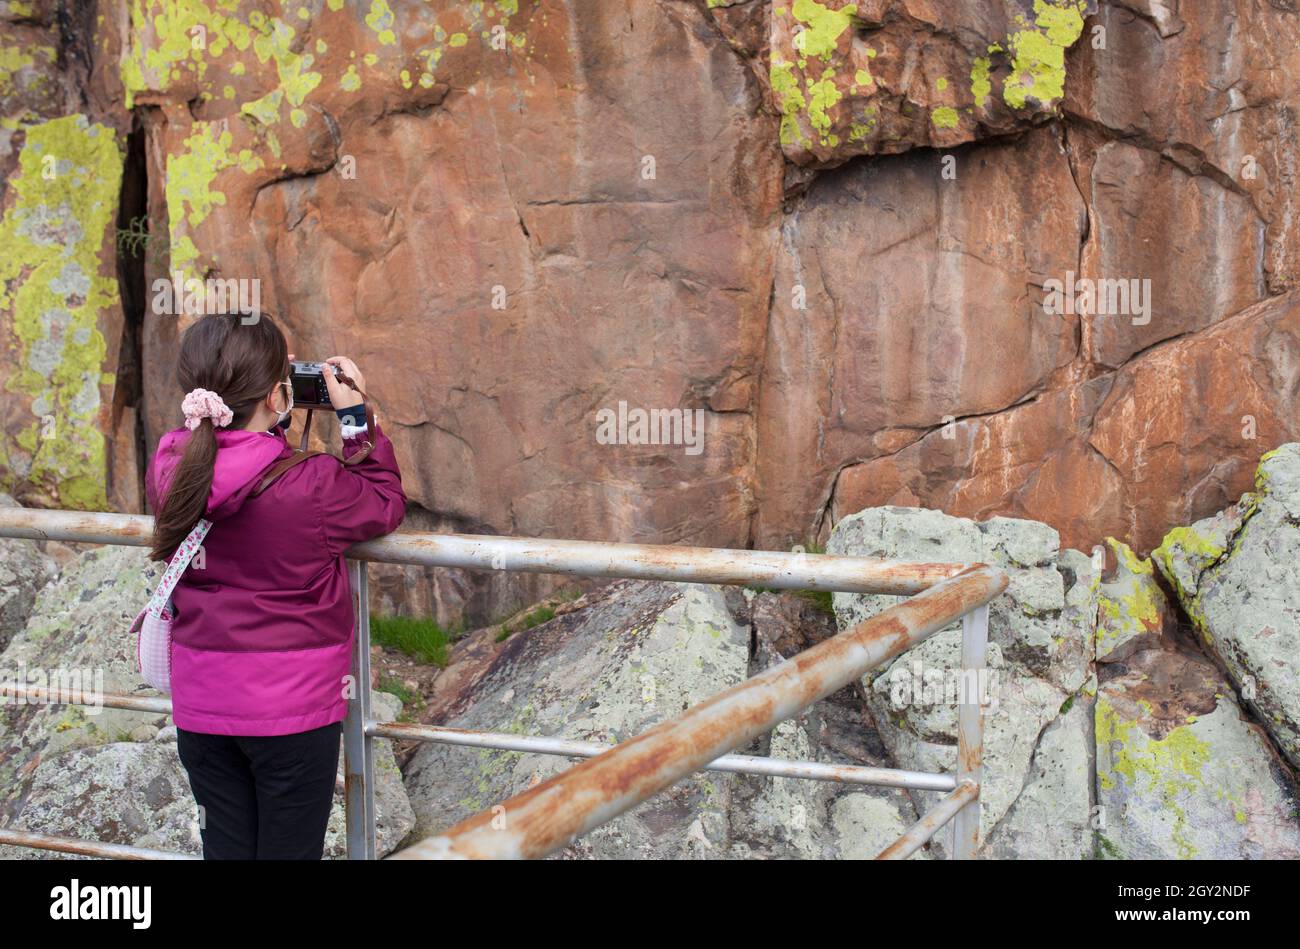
(614, 779)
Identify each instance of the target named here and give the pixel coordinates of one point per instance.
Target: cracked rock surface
(829, 226)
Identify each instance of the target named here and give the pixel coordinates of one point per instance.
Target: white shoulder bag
(153, 649)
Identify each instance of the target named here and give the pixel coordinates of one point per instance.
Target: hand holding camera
(336, 383)
(341, 395)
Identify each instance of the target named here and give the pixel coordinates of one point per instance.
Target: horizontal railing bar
(775, 569)
(48, 696)
(735, 764)
(555, 812)
(915, 837)
(88, 848)
(505, 741)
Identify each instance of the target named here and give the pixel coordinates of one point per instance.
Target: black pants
(262, 797)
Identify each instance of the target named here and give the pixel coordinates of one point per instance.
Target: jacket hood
(241, 457)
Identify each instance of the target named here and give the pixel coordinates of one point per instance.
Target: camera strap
(302, 453)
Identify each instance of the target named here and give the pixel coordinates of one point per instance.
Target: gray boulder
(132, 793)
(24, 570)
(1038, 743)
(1237, 575)
(78, 633)
(784, 817)
(641, 653)
(1180, 773)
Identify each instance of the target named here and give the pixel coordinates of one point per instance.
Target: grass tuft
(419, 637)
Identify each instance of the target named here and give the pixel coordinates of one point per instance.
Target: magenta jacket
(262, 634)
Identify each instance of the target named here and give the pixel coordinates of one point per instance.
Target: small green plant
(543, 614)
(395, 687)
(135, 237)
(412, 702)
(823, 600)
(1107, 850)
(419, 637)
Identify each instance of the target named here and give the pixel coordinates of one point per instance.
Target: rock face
(112, 774)
(1238, 578)
(1226, 93)
(833, 231)
(1110, 456)
(67, 415)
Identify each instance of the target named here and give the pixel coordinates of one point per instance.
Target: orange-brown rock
(1176, 432)
(1210, 86)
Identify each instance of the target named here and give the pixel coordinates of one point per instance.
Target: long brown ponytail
(240, 360)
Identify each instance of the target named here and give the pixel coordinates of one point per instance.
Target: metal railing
(616, 778)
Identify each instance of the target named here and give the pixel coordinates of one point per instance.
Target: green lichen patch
(790, 100)
(1169, 768)
(1130, 606)
(821, 27)
(807, 91)
(815, 43)
(203, 43)
(63, 204)
(1186, 553)
(25, 82)
(191, 173)
(381, 20)
(822, 96)
(944, 117)
(980, 85)
(1038, 53)
(176, 37)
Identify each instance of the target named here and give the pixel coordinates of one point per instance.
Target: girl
(263, 623)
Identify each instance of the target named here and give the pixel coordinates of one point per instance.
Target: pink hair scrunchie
(201, 404)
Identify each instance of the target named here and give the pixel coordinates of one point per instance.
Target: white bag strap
(180, 560)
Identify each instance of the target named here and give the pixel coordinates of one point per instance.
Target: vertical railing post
(358, 752)
(970, 729)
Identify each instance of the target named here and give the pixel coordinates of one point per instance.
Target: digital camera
(308, 381)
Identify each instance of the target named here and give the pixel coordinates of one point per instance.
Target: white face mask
(285, 414)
